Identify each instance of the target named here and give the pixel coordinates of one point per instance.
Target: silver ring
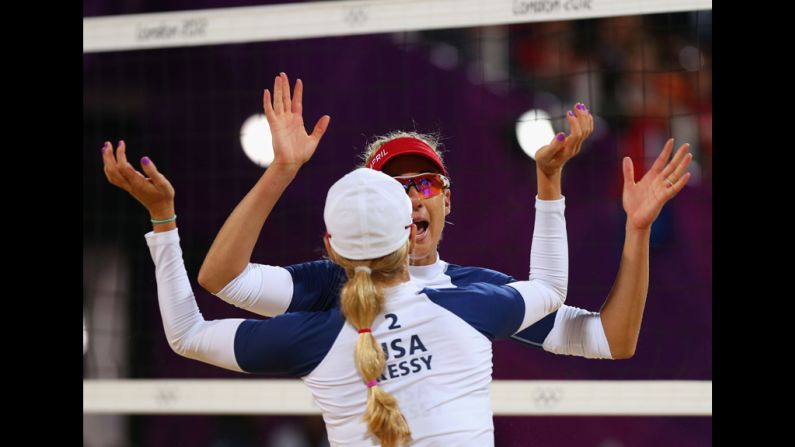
(668, 182)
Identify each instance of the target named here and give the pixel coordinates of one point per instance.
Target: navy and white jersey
(437, 344)
(314, 286)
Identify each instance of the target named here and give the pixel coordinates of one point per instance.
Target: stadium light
(255, 137)
(534, 130)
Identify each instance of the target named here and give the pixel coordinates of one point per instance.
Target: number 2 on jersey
(394, 324)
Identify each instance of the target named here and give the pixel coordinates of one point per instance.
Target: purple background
(184, 107)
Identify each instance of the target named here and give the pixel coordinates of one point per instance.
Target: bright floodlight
(255, 136)
(534, 130)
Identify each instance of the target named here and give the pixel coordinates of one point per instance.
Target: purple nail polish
(121, 142)
(571, 114)
(561, 136)
(145, 161)
(580, 107)
(104, 146)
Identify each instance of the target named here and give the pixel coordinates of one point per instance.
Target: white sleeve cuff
(551, 205)
(578, 332)
(163, 238)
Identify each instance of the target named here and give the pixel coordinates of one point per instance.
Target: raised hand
(154, 192)
(644, 200)
(292, 146)
(551, 158)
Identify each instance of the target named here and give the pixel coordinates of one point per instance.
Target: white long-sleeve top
(437, 342)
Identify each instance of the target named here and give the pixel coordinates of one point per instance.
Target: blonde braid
(362, 299)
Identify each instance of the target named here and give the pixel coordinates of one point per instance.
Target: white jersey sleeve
(578, 332)
(270, 291)
(263, 289)
(188, 334)
(545, 291)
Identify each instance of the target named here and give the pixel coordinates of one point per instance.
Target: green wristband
(171, 219)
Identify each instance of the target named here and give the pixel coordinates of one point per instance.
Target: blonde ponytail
(362, 299)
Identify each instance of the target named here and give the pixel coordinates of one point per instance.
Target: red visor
(403, 146)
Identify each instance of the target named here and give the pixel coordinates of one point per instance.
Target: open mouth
(422, 228)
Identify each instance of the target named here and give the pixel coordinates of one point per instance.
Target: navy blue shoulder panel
(536, 333)
(292, 344)
(316, 286)
(494, 311)
(463, 276)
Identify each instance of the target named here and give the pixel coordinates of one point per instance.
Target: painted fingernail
(561, 136)
(571, 114)
(104, 147)
(121, 142)
(145, 161)
(580, 107)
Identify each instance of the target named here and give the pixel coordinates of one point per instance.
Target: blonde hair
(431, 140)
(362, 299)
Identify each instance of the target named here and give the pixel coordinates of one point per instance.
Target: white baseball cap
(367, 214)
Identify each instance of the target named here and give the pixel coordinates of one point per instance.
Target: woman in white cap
(393, 364)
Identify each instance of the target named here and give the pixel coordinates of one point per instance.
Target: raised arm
(549, 261)
(568, 330)
(231, 251)
(622, 312)
(187, 332)
(278, 345)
